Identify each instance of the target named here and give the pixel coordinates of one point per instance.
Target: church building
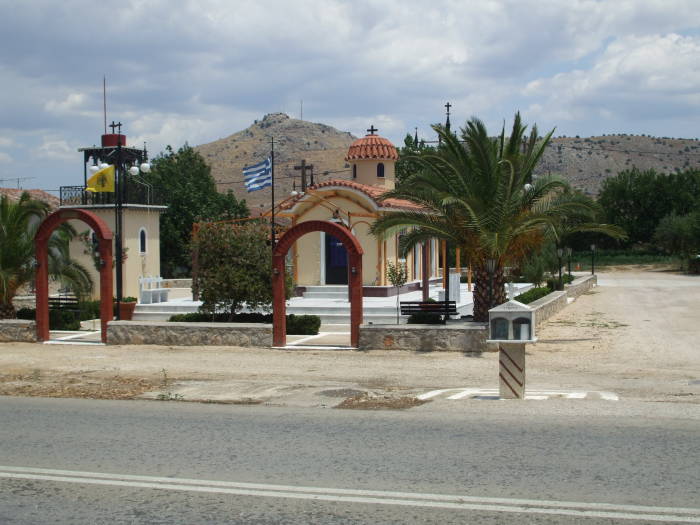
(320, 259)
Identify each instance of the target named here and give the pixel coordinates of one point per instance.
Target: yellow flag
(102, 181)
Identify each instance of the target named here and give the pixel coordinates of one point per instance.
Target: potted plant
(126, 308)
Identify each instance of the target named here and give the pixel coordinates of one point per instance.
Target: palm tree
(480, 194)
(18, 224)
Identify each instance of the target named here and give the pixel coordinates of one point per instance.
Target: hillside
(321, 145)
(586, 162)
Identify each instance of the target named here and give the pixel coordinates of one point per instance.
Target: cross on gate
(448, 106)
(304, 167)
(117, 125)
(372, 129)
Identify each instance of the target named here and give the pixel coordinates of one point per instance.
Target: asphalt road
(84, 461)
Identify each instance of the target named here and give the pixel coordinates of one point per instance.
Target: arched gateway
(344, 235)
(41, 240)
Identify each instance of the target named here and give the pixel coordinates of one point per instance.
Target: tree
(407, 164)
(184, 181)
(679, 235)
(397, 275)
(637, 200)
(235, 266)
(481, 196)
(18, 225)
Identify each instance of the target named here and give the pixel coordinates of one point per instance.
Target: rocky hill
(586, 162)
(321, 145)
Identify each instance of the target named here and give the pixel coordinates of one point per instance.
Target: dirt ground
(637, 334)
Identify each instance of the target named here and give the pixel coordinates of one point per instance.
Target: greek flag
(258, 176)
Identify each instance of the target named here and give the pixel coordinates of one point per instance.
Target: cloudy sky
(195, 71)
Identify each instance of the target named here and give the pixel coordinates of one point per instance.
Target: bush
(694, 265)
(65, 319)
(303, 324)
(296, 324)
(425, 318)
(533, 294)
(26, 313)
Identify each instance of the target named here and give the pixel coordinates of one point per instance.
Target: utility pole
(303, 167)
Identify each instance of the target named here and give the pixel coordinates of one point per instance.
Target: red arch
(351, 244)
(41, 240)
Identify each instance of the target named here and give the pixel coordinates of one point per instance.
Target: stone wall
(580, 285)
(462, 337)
(189, 334)
(545, 307)
(17, 330)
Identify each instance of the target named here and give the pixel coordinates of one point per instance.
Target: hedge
(533, 294)
(296, 324)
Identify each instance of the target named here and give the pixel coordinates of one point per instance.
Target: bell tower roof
(372, 147)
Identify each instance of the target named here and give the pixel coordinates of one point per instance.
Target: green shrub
(26, 313)
(58, 319)
(425, 318)
(303, 324)
(694, 265)
(296, 324)
(533, 294)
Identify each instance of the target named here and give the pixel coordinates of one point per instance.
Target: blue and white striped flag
(258, 176)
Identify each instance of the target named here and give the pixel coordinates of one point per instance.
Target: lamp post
(125, 160)
(592, 259)
(568, 256)
(560, 254)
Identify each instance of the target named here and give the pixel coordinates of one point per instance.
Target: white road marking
(311, 337)
(412, 499)
(532, 395)
(75, 336)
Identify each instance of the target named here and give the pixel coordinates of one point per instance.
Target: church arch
(351, 244)
(41, 240)
(380, 170)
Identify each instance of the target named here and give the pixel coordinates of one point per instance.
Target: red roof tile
(372, 147)
(373, 192)
(14, 194)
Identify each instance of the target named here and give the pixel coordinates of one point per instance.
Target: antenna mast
(104, 101)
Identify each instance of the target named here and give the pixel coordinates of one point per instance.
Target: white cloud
(5, 158)
(72, 103)
(55, 148)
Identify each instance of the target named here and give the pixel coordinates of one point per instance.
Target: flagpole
(272, 161)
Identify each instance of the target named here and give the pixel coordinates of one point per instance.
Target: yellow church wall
(137, 264)
(308, 247)
(367, 173)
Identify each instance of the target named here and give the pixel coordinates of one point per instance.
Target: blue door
(336, 261)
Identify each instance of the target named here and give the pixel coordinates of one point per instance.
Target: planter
(126, 310)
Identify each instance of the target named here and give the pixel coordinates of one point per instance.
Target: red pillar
(279, 306)
(106, 304)
(355, 286)
(42, 289)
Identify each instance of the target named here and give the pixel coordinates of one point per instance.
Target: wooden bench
(64, 303)
(439, 308)
(151, 290)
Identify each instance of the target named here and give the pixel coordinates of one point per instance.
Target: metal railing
(133, 194)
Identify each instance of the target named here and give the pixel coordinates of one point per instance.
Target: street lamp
(568, 255)
(592, 259)
(560, 254)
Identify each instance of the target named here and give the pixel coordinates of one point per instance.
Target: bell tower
(373, 160)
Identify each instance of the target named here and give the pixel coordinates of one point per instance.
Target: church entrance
(336, 261)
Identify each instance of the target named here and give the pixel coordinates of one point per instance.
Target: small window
(499, 328)
(521, 328)
(354, 171)
(380, 170)
(142, 241)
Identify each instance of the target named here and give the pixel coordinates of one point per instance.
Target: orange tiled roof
(373, 192)
(372, 147)
(40, 195)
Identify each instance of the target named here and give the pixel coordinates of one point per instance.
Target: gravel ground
(636, 335)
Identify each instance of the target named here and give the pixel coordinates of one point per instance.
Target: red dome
(372, 147)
